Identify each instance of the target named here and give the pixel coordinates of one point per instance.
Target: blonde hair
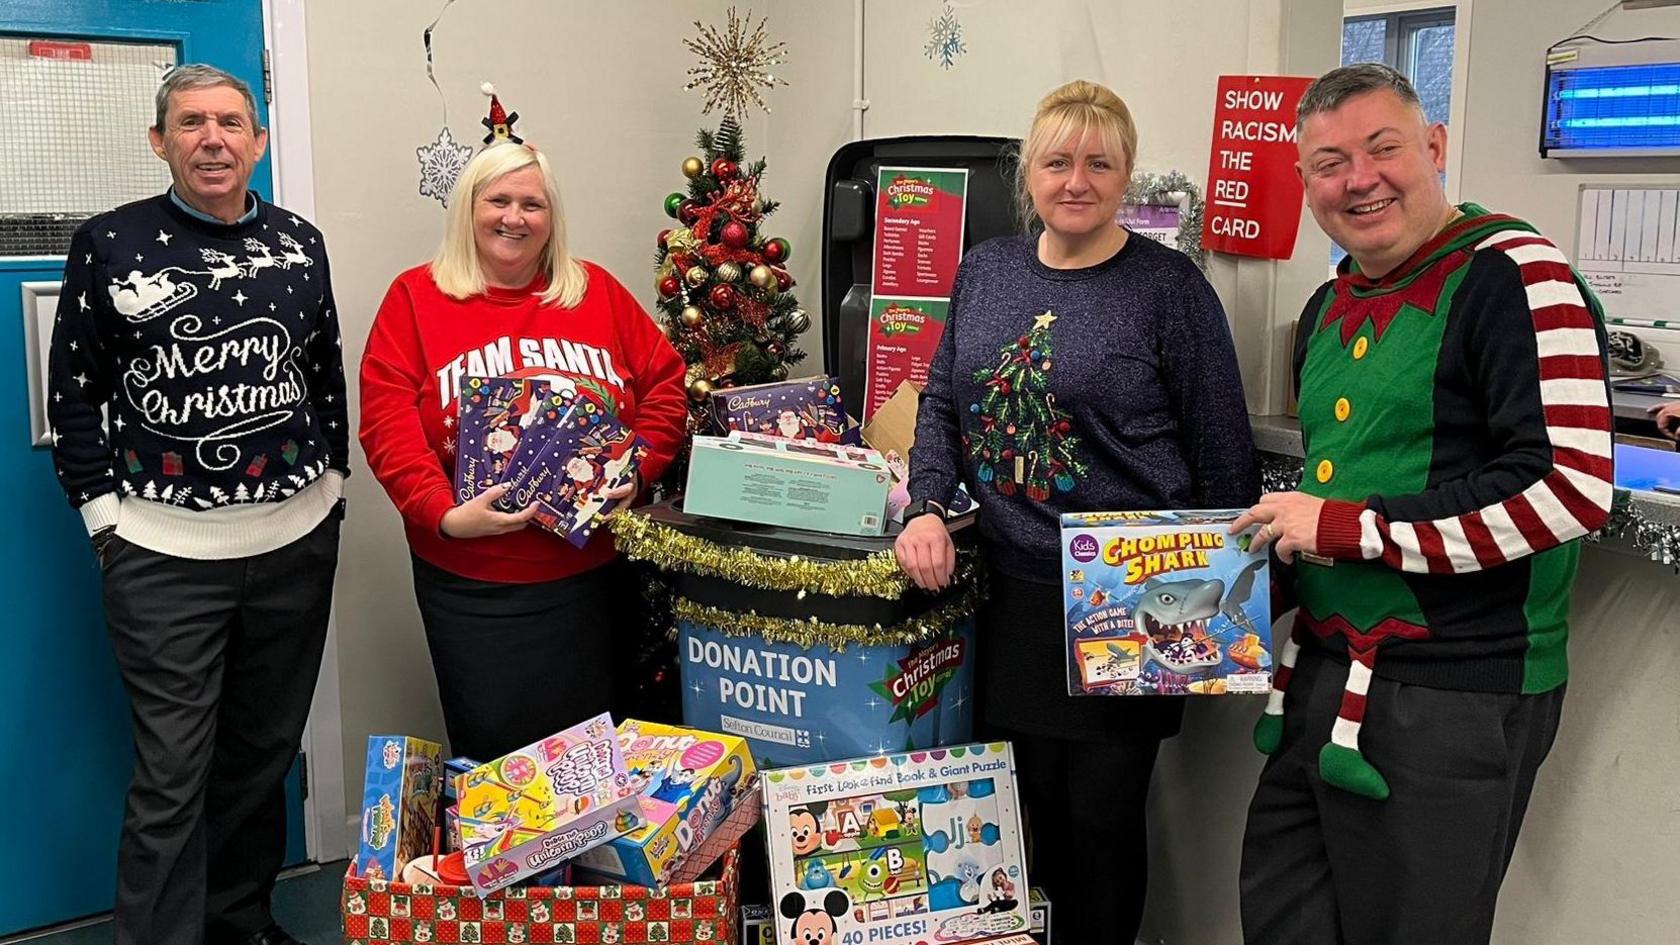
(455, 267)
(1072, 111)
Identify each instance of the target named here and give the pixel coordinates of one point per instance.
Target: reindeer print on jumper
(213, 350)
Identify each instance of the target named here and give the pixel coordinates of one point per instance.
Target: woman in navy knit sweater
(1083, 368)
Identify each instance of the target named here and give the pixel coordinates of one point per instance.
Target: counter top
(1640, 509)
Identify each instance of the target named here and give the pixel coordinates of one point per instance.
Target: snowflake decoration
(440, 165)
(734, 65)
(945, 43)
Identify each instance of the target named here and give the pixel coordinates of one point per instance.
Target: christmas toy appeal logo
(914, 685)
(1151, 555)
(899, 319)
(910, 192)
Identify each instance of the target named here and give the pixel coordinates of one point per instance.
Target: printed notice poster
(919, 218)
(1254, 194)
(1159, 222)
(903, 335)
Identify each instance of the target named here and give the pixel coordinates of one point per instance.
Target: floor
(305, 902)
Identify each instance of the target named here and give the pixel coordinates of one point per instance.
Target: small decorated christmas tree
(722, 282)
(1025, 441)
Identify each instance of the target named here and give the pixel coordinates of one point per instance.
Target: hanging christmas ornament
(722, 297)
(761, 276)
(688, 211)
(692, 317)
(441, 163)
(442, 160)
(779, 372)
(693, 167)
(725, 169)
(498, 121)
(798, 322)
(734, 66)
(696, 276)
(784, 280)
(663, 236)
(700, 390)
(681, 239)
(774, 349)
(735, 234)
(945, 43)
(727, 272)
(669, 286)
(777, 250)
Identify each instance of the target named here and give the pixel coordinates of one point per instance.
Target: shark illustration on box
(1160, 603)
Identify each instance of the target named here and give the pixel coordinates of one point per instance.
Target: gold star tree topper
(734, 66)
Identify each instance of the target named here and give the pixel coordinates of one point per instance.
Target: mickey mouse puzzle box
(898, 849)
(1164, 603)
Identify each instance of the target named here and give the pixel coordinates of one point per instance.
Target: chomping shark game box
(1164, 603)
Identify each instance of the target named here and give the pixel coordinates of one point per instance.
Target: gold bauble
(728, 272)
(693, 167)
(696, 276)
(692, 316)
(761, 276)
(700, 389)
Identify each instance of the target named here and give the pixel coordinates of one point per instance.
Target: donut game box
(1164, 603)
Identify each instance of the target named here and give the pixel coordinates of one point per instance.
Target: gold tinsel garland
(836, 636)
(878, 575)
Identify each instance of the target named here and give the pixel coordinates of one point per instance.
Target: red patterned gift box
(378, 912)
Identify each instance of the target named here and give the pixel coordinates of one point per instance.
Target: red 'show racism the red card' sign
(1253, 192)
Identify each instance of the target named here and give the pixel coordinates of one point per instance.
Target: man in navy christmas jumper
(197, 403)
(1456, 423)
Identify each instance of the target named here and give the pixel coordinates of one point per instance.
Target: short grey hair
(1330, 90)
(197, 75)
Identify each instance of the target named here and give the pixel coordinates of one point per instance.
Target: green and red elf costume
(1456, 420)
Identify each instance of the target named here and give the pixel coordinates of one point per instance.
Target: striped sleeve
(1537, 350)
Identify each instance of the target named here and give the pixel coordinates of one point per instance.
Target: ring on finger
(1268, 532)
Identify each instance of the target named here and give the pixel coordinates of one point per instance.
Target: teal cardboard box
(825, 487)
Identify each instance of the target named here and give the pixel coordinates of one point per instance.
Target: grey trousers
(219, 659)
(1326, 867)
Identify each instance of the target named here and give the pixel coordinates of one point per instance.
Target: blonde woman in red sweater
(520, 624)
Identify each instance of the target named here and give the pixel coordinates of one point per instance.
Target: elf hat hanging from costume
(499, 122)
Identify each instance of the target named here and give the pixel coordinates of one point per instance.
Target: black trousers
(1083, 765)
(1324, 866)
(516, 663)
(219, 659)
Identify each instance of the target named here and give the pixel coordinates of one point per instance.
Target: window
(1418, 44)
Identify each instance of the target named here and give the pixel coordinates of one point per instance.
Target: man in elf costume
(1457, 431)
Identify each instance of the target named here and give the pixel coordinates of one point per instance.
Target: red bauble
(1008, 454)
(735, 234)
(687, 212)
(784, 281)
(723, 297)
(1004, 388)
(724, 169)
(1064, 427)
(1023, 341)
(776, 250)
(669, 286)
(662, 236)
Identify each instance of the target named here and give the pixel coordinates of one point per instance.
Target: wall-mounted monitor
(1612, 100)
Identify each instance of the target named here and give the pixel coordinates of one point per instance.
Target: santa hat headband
(499, 122)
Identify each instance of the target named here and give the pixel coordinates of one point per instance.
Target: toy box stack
(689, 782)
(560, 449)
(525, 812)
(898, 849)
(1164, 603)
(399, 803)
(805, 409)
(795, 483)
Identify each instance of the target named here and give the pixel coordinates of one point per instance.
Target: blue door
(76, 71)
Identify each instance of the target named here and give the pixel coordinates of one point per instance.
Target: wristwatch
(924, 507)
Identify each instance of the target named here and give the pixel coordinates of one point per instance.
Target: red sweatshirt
(424, 343)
